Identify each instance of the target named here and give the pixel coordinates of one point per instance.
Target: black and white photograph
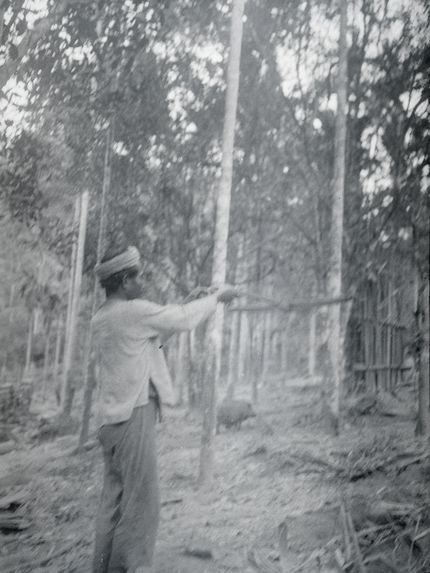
(214, 286)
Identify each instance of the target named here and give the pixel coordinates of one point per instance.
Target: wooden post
(191, 391)
(377, 329)
(265, 366)
(243, 343)
(58, 339)
(9, 322)
(284, 349)
(46, 364)
(66, 405)
(220, 247)
(29, 347)
(232, 374)
(312, 343)
(389, 338)
(256, 356)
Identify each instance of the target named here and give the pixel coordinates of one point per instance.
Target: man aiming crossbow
(133, 382)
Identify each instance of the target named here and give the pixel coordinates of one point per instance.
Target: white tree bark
(335, 274)
(232, 374)
(220, 246)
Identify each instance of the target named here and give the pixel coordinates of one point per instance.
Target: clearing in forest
(333, 502)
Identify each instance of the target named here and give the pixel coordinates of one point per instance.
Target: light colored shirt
(128, 351)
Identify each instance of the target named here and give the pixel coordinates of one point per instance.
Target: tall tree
(219, 267)
(19, 38)
(335, 273)
(76, 299)
(88, 372)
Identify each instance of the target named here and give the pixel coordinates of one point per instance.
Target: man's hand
(196, 293)
(226, 294)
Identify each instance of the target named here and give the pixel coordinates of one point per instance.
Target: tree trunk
(220, 246)
(423, 425)
(9, 322)
(89, 381)
(31, 37)
(333, 394)
(68, 330)
(232, 374)
(65, 398)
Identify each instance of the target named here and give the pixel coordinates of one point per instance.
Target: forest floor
(281, 467)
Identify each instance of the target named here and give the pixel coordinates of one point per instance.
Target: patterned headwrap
(130, 258)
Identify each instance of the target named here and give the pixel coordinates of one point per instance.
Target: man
(133, 381)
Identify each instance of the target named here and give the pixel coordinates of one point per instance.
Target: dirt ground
(281, 467)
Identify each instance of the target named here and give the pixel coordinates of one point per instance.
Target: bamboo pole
(65, 403)
(287, 307)
(220, 246)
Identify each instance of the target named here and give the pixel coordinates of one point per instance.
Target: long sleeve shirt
(128, 351)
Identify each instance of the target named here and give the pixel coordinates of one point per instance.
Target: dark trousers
(128, 516)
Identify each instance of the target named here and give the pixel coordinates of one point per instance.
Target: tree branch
(30, 39)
